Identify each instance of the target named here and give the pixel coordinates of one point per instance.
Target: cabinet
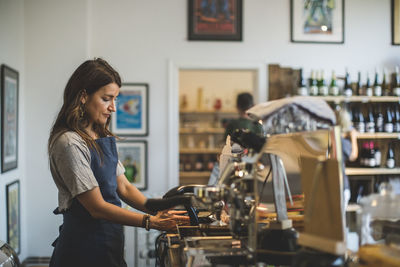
(201, 139)
(365, 177)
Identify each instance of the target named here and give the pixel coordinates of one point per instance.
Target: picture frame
(317, 23)
(132, 108)
(395, 22)
(9, 118)
(215, 20)
(13, 216)
(133, 155)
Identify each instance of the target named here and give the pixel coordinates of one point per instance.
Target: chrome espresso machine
(230, 223)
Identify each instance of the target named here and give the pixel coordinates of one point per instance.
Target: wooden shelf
(200, 150)
(201, 130)
(378, 136)
(194, 174)
(363, 99)
(207, 112)
(372, 171)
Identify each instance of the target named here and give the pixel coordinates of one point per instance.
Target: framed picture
(131, 116)
(218, 20)
(317, 21)
(133, 155)
(396, 22)
(13, 216)
(9, 118)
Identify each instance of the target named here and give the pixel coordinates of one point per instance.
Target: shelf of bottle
(363, 99)
(378, 136)
(372, 171)
(200, 150)
(194, 174)
(208, 112)
(193, 130)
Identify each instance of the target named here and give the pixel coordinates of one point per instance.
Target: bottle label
(378, 91)
(334, 90)
(314, 90)
(302, 91)
(378, 158)
(370, 127)
(389, 127)
(390, 163)
(379, 124)
(360, 126)
(323, 90)
(369, 91)
(348, 92)
(371, 162)
(396, 91)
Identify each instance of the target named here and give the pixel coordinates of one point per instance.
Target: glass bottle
(322, 88)
(396, 127)
(396, 88)
(302, 85)
(368, 87)
(359, 122)
(333, 88)
(388, 126)
(313, 84)
(377, 86)
(370, 122)
(379, 120)
(359, 88)
(347, 90)
(390, 163)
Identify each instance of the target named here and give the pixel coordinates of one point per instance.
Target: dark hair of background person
(88, 78)
(244, 101)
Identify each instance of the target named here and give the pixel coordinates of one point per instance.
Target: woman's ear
(84, 97)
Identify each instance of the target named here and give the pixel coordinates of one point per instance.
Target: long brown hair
(89, 77)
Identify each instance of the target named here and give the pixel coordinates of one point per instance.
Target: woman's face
(98, 106)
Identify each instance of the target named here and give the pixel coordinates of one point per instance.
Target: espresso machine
(295, 128)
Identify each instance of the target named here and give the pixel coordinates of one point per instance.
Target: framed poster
(9, 118)
(217, 20)
(13, 216)
(396, 22)
(131, 116)
(315, 21)
(133, 155)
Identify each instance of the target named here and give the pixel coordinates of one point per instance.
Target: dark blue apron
(83, 240)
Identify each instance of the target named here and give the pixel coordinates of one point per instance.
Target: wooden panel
(282, 82)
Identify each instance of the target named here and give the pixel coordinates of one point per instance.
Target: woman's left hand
(169, 219)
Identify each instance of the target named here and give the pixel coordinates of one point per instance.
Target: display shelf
(372, 171)
(378, 136)
(207, 112)
(194, 174)
(193, 130)
(363, 99)
(200, 150)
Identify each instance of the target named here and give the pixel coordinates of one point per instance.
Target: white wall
(138, 38)
(12, 54)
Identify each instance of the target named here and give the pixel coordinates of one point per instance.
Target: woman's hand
(167, 220)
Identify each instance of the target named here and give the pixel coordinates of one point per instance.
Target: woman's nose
(112, 107)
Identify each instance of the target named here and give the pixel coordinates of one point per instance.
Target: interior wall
(138, 38)
(12, 54)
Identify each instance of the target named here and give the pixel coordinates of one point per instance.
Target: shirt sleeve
(120, 168)
(73, 166)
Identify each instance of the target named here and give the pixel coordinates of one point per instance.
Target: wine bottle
(322, 88)
(364, 154)
(333, 89)
(313, 84)
(368, 87)
(302, 85)
(347, 90)
(370, 122)
(371, 155)
(359, 89)
(388, 126)
(187, 166)
(378, 156)
(384, 85)
(379, 120)
(199, 165)
(390, 163)
(359, 122)
(396, 127)
(377, 86)
(396, 87)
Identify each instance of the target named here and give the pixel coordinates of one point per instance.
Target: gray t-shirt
(70, 167)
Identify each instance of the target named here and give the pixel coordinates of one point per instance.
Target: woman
(90, 179)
